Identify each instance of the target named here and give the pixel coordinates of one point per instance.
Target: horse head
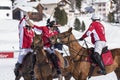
(37, 41)
(37, 47)
(64, 37)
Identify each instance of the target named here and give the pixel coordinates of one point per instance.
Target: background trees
(60, 16)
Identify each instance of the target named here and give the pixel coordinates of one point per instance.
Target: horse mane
(26, 56)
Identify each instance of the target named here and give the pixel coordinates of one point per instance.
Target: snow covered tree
(83, 26)
(111, 17)
(77, 24)
(78, 4)
(60, 16)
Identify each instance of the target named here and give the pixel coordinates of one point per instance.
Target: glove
(80, 39)
(48, 21)
(27, 17)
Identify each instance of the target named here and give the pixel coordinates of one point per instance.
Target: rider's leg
(22, 54)
(100, 63)
(18, 64)
(55, 59)
(99, 45)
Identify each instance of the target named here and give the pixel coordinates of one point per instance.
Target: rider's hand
(48, 20)
(27, 17)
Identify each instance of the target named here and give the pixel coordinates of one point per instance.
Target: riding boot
(17, 67)
(54, 59)
(33, 63)
(100, 63)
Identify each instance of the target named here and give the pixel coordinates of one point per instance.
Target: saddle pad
(107, 58)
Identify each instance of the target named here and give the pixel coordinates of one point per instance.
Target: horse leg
(18, 77)
(27, 77)
(60, 77)
(68, 76)
(49, 78)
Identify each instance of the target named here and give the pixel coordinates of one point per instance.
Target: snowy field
(9, 42)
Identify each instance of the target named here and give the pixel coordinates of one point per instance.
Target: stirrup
(101, 72)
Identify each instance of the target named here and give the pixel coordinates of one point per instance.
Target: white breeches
(99, 45)
(50, 50)
(22, 54)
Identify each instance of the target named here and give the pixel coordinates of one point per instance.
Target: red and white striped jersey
(25, 35)
(96, 31)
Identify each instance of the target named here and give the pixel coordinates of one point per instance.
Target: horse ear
(70, 30)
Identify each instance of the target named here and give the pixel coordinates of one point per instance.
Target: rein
(70, 41)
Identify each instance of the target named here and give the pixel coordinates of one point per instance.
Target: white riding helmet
(95, 17)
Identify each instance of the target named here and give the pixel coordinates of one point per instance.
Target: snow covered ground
(9, 42)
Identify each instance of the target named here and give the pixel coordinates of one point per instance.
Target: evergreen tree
(111, 17)
(78, 4)
(77, 24)
(60, 16)
(83, 26)
(57, 14)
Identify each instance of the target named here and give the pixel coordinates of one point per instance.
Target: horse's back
(116, 54)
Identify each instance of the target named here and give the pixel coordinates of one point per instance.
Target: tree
(117, 11)
(60, 16)
(78, 4)
(13, 1)
(111, 17)
(77, 24)
(83, 26)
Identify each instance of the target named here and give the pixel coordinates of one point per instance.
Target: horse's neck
(74, 45)
(40, 56)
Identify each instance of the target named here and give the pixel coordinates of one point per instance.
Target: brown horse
(44, 69)
(80, 54)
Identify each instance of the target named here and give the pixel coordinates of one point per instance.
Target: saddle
(106, 56)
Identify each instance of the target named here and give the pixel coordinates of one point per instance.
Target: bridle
(68, 35)
(38, 46)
